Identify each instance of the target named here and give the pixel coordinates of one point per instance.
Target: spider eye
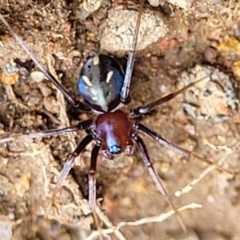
(114, 149)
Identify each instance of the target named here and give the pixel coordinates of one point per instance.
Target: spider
(104, 88)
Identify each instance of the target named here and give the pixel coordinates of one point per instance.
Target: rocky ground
(178, 43)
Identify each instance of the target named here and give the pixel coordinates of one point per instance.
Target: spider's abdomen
(114, 129)
(101, 82)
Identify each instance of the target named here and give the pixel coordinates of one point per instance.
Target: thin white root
(155, 219)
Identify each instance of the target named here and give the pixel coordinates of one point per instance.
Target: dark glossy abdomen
(101, 82)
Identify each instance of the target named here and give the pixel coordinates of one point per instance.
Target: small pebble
(37, 76)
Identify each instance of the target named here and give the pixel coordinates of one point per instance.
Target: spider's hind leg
(140, 111)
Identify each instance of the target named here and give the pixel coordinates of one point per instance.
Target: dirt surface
(199, 39)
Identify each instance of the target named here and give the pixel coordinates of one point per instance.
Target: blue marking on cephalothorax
(114, 149)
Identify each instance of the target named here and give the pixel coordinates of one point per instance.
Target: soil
(196, 39)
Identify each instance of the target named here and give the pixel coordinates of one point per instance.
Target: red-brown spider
(104, 88)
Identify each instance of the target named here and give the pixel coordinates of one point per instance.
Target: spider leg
(155, 136)
(139, 111)
(131, 58)
(64, 91)
(49, 133)
(155, 176)
(91, 177)
(70, 161)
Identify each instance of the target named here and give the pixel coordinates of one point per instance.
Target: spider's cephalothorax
(115, 130)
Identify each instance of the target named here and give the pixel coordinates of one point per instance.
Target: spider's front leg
(156, 178)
